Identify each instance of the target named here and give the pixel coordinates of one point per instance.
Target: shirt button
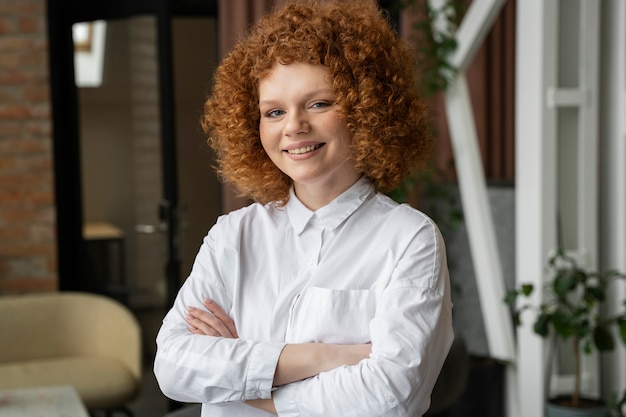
(390, 398)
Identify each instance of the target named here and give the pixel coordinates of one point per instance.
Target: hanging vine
(434, 28)
(433, 36)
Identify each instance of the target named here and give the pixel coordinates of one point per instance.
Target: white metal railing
(585, 99)
(476, 23)
(613, 169)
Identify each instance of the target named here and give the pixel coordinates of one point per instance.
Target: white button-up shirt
(361, 269)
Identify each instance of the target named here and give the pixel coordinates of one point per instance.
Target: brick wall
(27, 216)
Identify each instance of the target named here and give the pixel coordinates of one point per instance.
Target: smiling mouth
(305, 149)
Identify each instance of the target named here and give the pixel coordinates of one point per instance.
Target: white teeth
(304, 149)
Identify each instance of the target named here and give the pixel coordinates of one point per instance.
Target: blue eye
(274, 113)
(320, 104)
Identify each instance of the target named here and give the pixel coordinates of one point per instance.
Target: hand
(214, 322)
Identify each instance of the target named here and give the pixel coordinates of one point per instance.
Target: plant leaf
(622, 329)
(564, 281)
(527, 289)
(542, 324)
(563, 322)
(510, 297)
(595, 294)
(603, 338)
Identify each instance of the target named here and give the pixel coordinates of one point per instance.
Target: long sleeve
(411, 334)
(363, 269)
(197, 368)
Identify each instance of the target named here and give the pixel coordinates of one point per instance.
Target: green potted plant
(571, 311)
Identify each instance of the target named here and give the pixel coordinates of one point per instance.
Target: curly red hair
(374, 81)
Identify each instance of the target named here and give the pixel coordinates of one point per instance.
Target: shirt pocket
(328, 315)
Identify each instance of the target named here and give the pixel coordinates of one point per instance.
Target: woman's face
(302, 132)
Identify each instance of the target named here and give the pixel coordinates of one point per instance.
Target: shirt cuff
(261, 369)
(285, 400)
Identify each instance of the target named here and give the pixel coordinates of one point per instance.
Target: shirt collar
(332, 214)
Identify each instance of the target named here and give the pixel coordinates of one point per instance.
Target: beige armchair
(86, 340)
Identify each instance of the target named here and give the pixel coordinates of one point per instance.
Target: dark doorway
(120, 183)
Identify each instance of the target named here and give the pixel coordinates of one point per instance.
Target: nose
(297, 123)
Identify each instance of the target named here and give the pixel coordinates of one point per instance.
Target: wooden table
(110, 240)
(52, 401)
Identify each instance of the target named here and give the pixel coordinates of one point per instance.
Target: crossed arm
(296, 361)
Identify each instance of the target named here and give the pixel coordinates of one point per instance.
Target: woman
(324, 297)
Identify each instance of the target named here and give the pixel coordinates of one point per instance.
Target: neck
(315, 198)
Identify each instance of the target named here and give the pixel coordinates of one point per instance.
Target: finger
(208, 323)
(194, 324)
(195, 330)
(218, 312)
(197, 326)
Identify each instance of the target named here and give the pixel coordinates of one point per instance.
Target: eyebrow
(321, 91)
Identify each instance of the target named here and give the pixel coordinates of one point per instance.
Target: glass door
(148, 191)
